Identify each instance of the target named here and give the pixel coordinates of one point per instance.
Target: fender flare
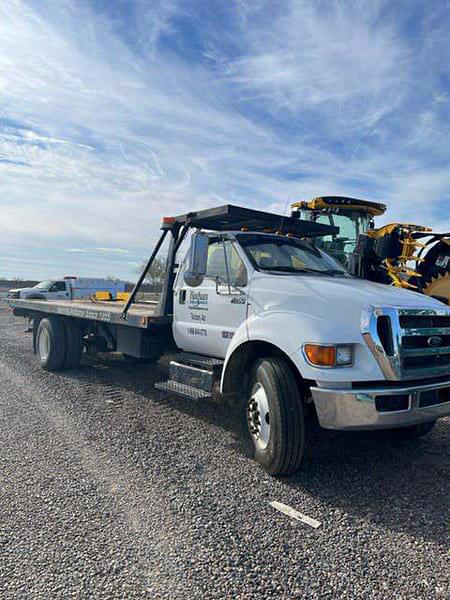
(245, 348)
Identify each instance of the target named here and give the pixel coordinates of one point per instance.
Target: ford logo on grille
(434, 340)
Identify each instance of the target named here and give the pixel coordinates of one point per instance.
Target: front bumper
(381, 408)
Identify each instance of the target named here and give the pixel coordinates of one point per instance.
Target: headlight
(344, 355)
(340, 355)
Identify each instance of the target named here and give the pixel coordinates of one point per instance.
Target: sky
(114, 113)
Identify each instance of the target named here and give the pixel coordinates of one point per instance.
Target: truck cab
(287, 292)
(208, 314)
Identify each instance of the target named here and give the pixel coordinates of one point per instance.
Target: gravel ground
(110, 489)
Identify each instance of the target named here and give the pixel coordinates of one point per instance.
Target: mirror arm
(231, 287)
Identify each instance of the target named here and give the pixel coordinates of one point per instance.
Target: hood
(26, 289)
(323, 296)
(297, 309)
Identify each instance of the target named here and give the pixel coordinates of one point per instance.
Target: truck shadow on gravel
(403, 486)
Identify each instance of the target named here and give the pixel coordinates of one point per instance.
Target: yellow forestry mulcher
(400, 254)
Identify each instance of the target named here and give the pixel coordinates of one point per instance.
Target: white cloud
(344, 57)
(99, 250)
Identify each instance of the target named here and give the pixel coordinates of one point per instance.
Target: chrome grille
(409, 344)
(425, 343)
(414, 320)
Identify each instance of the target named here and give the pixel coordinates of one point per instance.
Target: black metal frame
(142, 276)
(166, 299)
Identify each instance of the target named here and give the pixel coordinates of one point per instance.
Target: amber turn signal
(340, 355)
(321, 356)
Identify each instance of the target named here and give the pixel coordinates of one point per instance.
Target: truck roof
(229, 217)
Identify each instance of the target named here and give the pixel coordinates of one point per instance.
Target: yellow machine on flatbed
(400, 254)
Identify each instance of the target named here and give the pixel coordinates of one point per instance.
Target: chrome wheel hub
(44, 344)
(258, 418)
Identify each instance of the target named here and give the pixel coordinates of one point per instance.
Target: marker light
(329, 356)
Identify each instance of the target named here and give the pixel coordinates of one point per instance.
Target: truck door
(59, 289)
(206, 317)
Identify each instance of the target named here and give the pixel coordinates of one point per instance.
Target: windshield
(43, 285)
(287, 255)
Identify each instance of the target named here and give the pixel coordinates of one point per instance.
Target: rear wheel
(51, 343)
(414, 432)
(275, 417)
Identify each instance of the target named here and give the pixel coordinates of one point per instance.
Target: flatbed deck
(142, 315)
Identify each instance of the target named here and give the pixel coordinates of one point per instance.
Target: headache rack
(221, 218)
(409, 343)
(230, 217)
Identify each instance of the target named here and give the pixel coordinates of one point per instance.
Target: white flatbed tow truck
(260, 317)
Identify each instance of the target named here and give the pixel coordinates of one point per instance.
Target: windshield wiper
(327, 271)
(288, 269)
(285, 269)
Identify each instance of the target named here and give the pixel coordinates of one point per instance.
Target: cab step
(198, 360)
(192, 376)
(183, 390)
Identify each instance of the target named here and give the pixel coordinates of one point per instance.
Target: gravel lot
(110, 489)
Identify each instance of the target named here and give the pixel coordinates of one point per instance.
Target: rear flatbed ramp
(142, 315)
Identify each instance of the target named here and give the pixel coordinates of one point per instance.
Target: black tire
(413, 432)
(282, 451)
(51, 350)
(74, 343)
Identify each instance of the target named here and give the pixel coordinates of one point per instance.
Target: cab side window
(59, 286)
(216, 267)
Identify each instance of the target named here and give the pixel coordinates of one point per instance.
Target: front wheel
(275, 416)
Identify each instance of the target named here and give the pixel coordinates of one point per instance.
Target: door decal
(198, 301)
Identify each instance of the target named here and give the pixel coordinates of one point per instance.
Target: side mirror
(198, 257)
